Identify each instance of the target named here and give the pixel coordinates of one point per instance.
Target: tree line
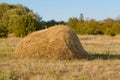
(21, 21)
(107, 26)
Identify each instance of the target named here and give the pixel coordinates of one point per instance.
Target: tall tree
(81, 18)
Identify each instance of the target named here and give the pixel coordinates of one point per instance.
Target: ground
(105, 64)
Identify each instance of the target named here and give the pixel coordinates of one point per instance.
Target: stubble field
(104, 65)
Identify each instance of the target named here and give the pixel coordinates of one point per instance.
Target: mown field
(105, 64)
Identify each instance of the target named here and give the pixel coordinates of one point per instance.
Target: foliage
(19, 19)
(93, 27)
(52, 23)
(24, 25)
(3, 31)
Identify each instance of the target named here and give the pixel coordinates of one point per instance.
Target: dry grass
(102, 46)
(7, 46)
(105, 66)
(61, 70)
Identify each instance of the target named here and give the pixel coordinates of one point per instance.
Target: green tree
(94, 27)
(3, 31)
(72, 22)
(24, 25)
(115, 28)
(81, 19)
(107, 25)
(19, 19)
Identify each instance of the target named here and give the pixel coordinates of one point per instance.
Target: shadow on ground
(104, 56)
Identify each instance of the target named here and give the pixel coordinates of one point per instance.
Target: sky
(65, 9)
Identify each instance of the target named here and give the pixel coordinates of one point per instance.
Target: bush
(3, 31)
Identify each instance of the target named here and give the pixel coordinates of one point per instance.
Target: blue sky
(64, 9)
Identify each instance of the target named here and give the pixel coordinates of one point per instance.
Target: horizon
(63, 10)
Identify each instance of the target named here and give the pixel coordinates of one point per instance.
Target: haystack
(57, 42)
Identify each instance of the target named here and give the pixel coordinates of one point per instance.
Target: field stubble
(104, 66)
